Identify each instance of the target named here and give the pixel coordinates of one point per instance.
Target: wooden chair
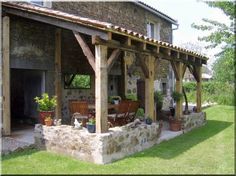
(133, 108)
(79, 110)
(119, 118)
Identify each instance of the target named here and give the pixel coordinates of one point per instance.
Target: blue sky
(187, 12)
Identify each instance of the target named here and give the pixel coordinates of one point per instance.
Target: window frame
(45, 3)
(156, 30)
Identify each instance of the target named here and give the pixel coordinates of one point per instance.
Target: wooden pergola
(102, 36)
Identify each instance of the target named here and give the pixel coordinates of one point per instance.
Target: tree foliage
(221, 35)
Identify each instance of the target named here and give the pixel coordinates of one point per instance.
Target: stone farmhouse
(119, 48)
(32, 63)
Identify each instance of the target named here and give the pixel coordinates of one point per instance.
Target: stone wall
(97, 148)
(193, 120)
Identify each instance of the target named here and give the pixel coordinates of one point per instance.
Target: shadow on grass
(172, 148)
(21, 153)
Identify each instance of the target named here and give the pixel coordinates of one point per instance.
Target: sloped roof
(155, 11)
(95, 24)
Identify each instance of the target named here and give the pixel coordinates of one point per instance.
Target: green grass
(206, 150)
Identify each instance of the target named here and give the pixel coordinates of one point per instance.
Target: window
(153, 30)
(150, 30)
(43, 3)
(37, 2)
(77, 81)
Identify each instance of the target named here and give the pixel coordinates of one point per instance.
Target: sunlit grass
(206, 150)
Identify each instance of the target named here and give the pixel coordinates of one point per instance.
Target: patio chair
(119, 118)
(79, 110)
(133, 108)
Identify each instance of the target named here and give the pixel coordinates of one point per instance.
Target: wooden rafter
(86, 50)
(143, 66)
(114, 56)
(160, 52)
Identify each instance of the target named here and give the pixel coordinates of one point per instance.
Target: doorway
(25, 86)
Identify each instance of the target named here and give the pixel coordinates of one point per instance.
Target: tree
(221, 35)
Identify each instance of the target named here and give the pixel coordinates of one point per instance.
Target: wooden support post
(179, 87)
(149, 89)
(58, 82)
(123, 76)
(199, 89)
(101, 88)
(6, 75)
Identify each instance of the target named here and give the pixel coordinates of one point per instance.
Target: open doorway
(25, 85)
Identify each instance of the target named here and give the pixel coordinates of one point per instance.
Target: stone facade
(102, 148)
(193, 120)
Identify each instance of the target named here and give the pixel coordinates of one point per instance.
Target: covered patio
(103, 44)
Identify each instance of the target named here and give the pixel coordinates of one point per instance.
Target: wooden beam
(114, 56)
(6, 75)
(109, 35)
(86, 50)
(175, 70)
(149, 89)
(195, 73)
(128, 41)
(58, 81)
(101, 88)
(66, 24)
(166, 57)
(199, 89)
(123, 76)
(184, 69)
(96, 40)
(143, 65)
(179, 89)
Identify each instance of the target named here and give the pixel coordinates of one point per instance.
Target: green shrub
(131, 96)
(158, 98)
(177, 96)
(140, 112)
(45, 103)
(189, 86)
(212, 91)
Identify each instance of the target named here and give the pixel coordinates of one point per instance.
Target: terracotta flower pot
(175, 125)
(48, 122)
(43, 114)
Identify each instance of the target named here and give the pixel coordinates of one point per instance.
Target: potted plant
(158, 98)
(46, 106)
(175, 124)
(148, 121)
(91, 125)
(48, 121)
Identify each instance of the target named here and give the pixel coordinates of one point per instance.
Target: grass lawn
(206, 150)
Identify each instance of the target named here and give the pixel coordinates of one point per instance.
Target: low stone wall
(193, 120)
(97, 148)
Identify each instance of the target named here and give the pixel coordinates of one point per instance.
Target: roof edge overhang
(102, 28)
(156, 12)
